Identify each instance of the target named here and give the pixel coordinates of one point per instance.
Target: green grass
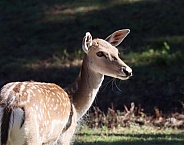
(134, 135)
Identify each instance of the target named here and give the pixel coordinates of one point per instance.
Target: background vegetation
(41, 41)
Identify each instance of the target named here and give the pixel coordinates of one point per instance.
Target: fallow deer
(35, 113)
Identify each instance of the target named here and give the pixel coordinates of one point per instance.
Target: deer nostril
(127, 71)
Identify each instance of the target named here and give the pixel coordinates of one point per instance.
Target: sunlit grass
(40, 39)
(130, 136)
(161, 56)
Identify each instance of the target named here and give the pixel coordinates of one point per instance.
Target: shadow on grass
(52, 75)
(39, 29)
(33, 31)
(150, 86)
(154, 142)
(139, 139)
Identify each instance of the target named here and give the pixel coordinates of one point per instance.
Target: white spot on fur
(39, 91)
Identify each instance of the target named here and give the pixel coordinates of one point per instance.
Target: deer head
(103, 56)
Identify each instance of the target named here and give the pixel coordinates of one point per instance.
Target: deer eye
(101, 54)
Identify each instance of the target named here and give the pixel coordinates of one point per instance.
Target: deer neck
(84, 90)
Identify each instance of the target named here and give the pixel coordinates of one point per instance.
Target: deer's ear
(87, 42)
(117, 37)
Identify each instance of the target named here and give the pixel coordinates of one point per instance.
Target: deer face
(103, 55)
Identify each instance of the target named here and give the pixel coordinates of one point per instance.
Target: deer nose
(127, 71)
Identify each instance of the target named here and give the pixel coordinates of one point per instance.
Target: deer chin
(123, 77)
